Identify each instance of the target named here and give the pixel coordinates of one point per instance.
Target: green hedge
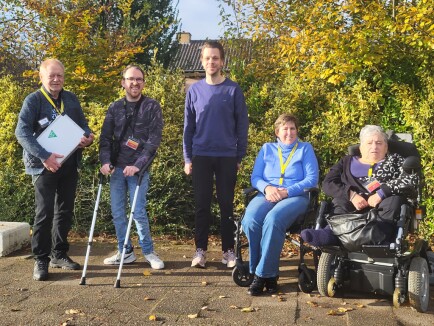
(331, 119)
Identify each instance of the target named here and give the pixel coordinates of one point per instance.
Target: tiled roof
(187, 57)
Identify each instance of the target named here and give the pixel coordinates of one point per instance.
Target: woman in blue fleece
(281, 172)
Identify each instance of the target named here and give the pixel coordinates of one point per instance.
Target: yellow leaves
(147, 272)
(192, 316)
(80, 70)
(153, 318)
(248, 309)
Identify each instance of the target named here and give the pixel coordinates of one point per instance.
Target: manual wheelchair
(307, 276)
(396, 269)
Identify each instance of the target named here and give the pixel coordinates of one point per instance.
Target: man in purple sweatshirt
(215, 141)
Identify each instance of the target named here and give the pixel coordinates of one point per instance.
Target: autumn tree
(93, 38)
(340, 65)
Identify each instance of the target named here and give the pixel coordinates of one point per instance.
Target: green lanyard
(283, 166)
(51, 101)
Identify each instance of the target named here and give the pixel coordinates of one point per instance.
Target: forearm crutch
(141, 173)
(92, 229)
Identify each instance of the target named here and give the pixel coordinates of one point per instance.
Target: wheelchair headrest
(399, 147)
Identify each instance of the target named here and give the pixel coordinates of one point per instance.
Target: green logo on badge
(52, 134)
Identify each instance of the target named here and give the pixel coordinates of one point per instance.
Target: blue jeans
(265, 224)
(120, 186)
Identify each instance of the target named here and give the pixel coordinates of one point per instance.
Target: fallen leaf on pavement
(193, 316)
(147, 272)
(234, 307)
(341, 309)
(204, 283)
(148, 299)
(312, 303)
(153, 317)
(248, 309)
(335, 313)
(222, 296)
(73, 312)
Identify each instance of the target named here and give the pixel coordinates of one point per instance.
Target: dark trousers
(54, 198)
(225, 171)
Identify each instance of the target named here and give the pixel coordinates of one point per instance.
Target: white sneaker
(116, 259)
(229, 258)
(154, 260)
(199, 258)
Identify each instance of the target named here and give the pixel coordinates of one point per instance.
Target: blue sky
(200, 18)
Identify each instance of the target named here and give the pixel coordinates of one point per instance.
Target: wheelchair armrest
(320, 219)
(248, 191)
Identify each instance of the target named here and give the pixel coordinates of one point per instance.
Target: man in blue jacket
(55, 184)
(215, 141)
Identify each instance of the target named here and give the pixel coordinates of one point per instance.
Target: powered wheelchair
(396, 269)
(307, 276)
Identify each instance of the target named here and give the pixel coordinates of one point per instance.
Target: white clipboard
(62, 136)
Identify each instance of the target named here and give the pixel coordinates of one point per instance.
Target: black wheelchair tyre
(240, 278)
(418, 284)
(304, 284)
(325, 272)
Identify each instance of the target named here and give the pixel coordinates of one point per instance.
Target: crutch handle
(145, 167)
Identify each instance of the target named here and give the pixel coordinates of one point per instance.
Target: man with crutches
(130, 135)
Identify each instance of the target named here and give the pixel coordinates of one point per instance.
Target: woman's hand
(275, 194)
(359, 202)
(374, 200)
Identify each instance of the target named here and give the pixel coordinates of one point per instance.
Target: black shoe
(271, 284)
(64, 262)
(257, 286)
(40, 271)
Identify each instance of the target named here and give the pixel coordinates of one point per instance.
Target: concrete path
(177, 295)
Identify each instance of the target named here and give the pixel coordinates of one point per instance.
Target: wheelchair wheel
(326, 268)
(418, 284)
(398, 298)
(331, 287)
(240, 278)
(304, 284)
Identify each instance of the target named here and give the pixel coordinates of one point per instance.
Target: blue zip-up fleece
(215, 121)
(35, 108)
(302, 171)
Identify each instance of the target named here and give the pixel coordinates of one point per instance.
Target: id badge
(132, 143)
(44, 122)
(371, 185)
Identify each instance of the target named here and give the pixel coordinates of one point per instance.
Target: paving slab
(176, 294)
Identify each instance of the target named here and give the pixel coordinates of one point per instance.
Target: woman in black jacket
(359, 183)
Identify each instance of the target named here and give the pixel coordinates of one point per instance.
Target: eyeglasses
(137, 80)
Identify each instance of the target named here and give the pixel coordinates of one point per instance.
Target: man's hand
(51, 163)
(188, 168)
(130, 170)
(86, 141)
(106, 170)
